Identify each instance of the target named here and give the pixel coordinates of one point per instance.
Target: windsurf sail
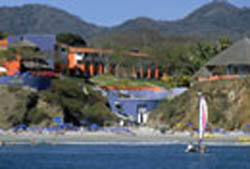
(203, 119)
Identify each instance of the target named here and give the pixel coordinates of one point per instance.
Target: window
(118, 105)
(63, 50)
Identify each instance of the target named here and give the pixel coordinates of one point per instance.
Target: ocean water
(122, 157)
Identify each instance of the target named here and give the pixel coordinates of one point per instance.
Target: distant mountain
(212, 11)
(214, 19)
(30, 19)
(210, 21)
(137, 38)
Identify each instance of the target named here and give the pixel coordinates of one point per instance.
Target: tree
(71, 39)
(202, 53)
(223, 43)
(78, 101)
(3, 35)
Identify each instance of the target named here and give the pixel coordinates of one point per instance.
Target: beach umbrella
(58, 120)
(84, 122)
(94, 127)
(56, 128)
(189, 124)
(75, 128)
(26, 74)
(53, 128)
(21, 126)
(247, 129)
(66, 125)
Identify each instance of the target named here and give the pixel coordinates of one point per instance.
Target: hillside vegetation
(228, 106)
(179, 48)
(164, 82)
(69, 98)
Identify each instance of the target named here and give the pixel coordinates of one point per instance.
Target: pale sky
(114, 12)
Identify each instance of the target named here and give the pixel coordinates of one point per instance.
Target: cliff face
(228, 106)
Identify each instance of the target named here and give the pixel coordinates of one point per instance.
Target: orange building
(84, 60)
(11, 67)
(3, 44)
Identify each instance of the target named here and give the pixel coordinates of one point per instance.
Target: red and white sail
(203, 120)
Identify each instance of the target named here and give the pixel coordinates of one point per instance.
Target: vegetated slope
(72, 99)
(228, 106)
(41, 19)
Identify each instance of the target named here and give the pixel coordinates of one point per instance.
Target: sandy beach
(137, 136)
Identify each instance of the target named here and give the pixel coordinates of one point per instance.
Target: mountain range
(42, 19)
(217, 18)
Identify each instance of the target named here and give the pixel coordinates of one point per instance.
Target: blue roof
(84, 122)
(44, 42)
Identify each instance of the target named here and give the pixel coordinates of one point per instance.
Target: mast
(203, 116)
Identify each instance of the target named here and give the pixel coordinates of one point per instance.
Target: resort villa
(229, 64)
(129, 103)
(88, 62)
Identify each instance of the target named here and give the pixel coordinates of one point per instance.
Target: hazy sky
(113, 12)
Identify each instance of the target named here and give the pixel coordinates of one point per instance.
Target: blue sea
(122, 157)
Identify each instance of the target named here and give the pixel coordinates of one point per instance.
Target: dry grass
(228, 104)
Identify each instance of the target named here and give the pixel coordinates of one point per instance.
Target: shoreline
(107, 138)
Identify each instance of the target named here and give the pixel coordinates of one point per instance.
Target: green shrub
(36, 116)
